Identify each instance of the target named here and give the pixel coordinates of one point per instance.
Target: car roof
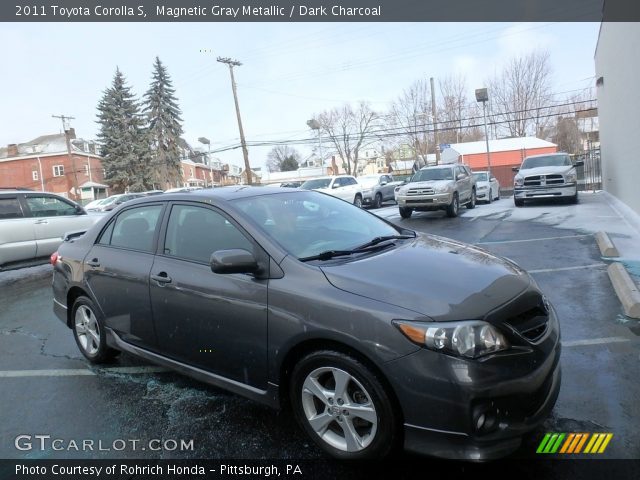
(219, 193)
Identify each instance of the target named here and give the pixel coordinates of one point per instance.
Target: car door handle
(94, 263)
(41, 222)
(162, 277)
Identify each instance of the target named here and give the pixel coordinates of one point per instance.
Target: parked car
(486, 190)
(377, 188)
(182, 189)
(546, 176)
(345, 187)
(113, 201)
(32, 225)
(93, 204)
(458, 360)
(443, 187)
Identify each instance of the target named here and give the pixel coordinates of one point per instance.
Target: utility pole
(245, 153)
(72, 160)
(435, 122)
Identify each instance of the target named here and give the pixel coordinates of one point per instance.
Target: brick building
(43, 164)
(505, 154)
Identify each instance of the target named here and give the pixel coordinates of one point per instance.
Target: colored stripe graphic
(573, 443)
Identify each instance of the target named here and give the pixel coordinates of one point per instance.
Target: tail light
(54, 258)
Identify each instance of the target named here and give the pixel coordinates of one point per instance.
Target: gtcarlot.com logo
(47, 442)
(574, 443)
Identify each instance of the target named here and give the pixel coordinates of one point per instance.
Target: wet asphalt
(599, 393)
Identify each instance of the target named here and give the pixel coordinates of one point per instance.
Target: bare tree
(282, 158)
(567, 135)
(349, 130)
(410, 115)
(452, 108)
(521, 94)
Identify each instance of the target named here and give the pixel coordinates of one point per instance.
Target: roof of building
(48, 144)
(501, 145)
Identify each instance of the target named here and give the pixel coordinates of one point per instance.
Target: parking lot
(48, 388)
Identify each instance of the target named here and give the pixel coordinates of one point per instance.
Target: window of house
(34, 175)
(58, 170)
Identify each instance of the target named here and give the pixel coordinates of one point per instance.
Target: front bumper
(482, 194)
(566, 190)
(443, 397)
(438, 200)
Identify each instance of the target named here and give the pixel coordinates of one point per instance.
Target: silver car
(32, 225)
(443, 187)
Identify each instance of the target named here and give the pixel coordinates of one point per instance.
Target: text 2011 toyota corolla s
(377, 337)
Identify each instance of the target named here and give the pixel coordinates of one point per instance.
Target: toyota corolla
(376, 337)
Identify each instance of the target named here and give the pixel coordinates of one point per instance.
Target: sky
(289, 72)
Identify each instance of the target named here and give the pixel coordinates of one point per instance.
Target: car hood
(433, 276)
(426, 184)
(545, 170)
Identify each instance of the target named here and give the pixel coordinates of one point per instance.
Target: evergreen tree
(164, 126)
(123, 139)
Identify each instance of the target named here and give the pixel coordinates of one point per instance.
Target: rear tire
(454, 206)
(89, 332)
(405, 212)
(377, 200)
(343, 406)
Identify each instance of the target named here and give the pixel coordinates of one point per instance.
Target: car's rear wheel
(454, 206)
(89, 332)
(358, 201)
(377, 200)
(405, 212)
(343, 406)
(472, 201)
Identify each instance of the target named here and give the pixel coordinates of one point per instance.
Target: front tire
(89, 332)
(343, 406)
(405, 212)
(358, 201)
(454, 206)
(490, 196)
(518, 202)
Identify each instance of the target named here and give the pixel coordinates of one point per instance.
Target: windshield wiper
(377, 240)
(370, 246)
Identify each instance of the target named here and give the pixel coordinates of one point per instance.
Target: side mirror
(234, 260)
(80, 210)
(579, 163)
(461, 176)
(383, 183)
(335, 185)
(515, 169)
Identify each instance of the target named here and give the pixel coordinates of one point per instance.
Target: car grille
(531, 324)
(421, 191)
(424, 200)
(543, 180)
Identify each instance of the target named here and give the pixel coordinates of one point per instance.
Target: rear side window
(194, 233)
(43, 206)
(133, 229)
(10, 208)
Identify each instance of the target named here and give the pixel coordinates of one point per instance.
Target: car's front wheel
(358, 201)
(405, 212)
(472, 201)
(490, 196)
(343, 406)
(89, 332)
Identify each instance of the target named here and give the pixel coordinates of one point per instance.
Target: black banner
(319, 10)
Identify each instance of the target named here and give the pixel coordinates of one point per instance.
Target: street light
(483, 96)
(207, 142)
(313, 124)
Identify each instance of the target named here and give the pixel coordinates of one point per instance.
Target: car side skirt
(268, 397)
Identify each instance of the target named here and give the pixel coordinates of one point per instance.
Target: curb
(607, 248)
(626, 289)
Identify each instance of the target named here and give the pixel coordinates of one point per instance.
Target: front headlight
(570, 178)
(518, 181)
(483, 187)
(468, 339)
(367, 190)
(441, 188)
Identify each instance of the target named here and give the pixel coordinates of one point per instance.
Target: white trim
(44, 155)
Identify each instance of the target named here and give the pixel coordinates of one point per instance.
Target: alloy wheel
(339, 409)
(87, 330)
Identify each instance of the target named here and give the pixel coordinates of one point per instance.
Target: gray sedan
(375, 336)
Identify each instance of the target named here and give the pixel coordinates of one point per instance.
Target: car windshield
(480, 177)
(308, 223)
(547, 161)
(433, 174)
(316, 183)
(368, 181)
